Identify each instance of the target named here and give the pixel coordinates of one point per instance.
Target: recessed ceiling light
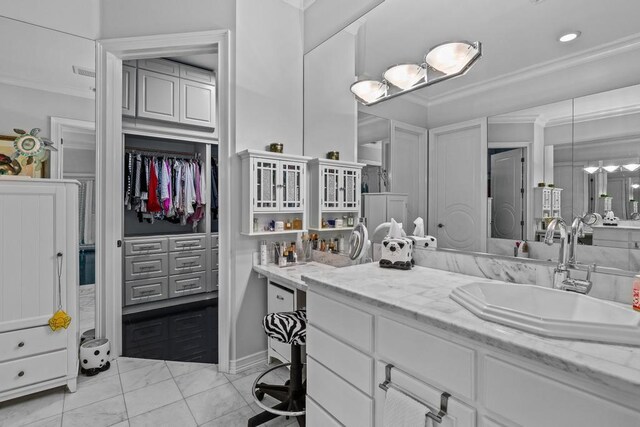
(569, 37)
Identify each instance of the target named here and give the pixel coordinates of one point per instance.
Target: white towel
(401, 410)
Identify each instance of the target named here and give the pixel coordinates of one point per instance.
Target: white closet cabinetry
(274, 189)
(39, 221)
(129, 91)
(173, 92)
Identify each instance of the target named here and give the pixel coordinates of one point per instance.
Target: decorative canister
(276, 147)
(94, 356)
(87, 335)
(333, 155)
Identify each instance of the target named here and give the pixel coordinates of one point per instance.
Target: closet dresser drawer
(186, 243)
(186, 262)
(214, 259)
(146, 266)
(215, 240)
(146, 290)
(146, 246)
(185, 284)
(32, 370)
(27, 342)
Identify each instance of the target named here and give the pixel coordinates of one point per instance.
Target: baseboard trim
(247, 362)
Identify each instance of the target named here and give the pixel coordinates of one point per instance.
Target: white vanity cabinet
(39, 241)
(335, 188)
(274, 189)
(351, 343)
(169, 91)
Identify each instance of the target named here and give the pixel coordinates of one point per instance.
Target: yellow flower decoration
(59, 320)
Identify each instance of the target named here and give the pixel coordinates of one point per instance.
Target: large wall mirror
(536, 129)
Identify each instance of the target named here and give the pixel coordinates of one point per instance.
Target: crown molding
(607, 50)
(47, 87)
(507, 119)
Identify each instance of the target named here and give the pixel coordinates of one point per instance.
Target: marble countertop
(292, 275)
(423, 294)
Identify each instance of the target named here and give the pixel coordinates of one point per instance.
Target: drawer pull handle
(147, 292)
(146, 248)
(281, 298)
(21, 373)
(147, 267)
(21, 344)
(190, 263)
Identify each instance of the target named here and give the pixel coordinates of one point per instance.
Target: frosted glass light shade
(591, 169)
(451, 58)
(611, 168)
(632, 167)
(405, 76)
(634, 186)
(369, 90)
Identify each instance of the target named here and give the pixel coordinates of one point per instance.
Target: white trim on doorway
(58, 126)
(109, 154)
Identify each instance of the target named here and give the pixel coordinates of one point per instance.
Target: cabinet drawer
(146, 332)
(145, 246)
(436, 361)
(146, 266)
(160, 66)
(215, 240)
(186, 262)
(186, 243)
(349, 363)
(348, 405)
(458, 413)
(32, 370)
(140, 291)
(349, 324)
(215, 255)
(564, 405)
(197, 74)
(279, 299)
(27, 342)
(186, 284)
(318, 417)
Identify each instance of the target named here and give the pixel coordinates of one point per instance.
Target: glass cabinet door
(292, 185)
(265, 185)
(350, 187)
(331, 197)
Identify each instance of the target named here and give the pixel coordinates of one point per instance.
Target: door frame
(109, 166)
(434, 134)
(58, 126)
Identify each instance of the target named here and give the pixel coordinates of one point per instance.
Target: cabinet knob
(440, 225)
(280, 297)
(21, 373)
(21, 344)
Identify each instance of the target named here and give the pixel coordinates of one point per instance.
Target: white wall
(78, 17)
(330, 109)
(127, 18)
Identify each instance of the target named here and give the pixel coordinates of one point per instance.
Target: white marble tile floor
(139, 393)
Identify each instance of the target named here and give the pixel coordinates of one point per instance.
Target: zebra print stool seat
(288, 328)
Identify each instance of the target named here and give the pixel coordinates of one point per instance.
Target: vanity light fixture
(450, 60)
(635, 186)
(569, 37)
(611, 168)
(631, 167)
(591, 169)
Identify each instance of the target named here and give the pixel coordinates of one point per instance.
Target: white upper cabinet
(274, 188)
(129, 80)
(169, 91)
(158, 96)
(335, 187)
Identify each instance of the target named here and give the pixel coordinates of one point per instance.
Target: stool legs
(291, 396)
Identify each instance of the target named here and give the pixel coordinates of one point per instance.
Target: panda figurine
(397, 253)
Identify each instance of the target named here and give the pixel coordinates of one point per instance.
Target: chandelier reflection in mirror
(442, 62)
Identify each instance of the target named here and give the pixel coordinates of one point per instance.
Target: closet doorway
(111, 242)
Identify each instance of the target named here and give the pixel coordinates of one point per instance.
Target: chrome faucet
(567, 256)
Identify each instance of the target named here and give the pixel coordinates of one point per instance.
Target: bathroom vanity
(364, 319)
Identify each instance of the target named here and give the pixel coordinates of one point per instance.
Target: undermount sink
(551, 312)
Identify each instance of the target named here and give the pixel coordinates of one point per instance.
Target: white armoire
(38, 239)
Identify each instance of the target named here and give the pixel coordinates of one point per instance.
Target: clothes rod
(444, 397)
(161, 153)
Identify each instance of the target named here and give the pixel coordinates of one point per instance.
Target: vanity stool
(288, 328)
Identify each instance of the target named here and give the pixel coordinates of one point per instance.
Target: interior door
(507, 192)
(457, 185)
